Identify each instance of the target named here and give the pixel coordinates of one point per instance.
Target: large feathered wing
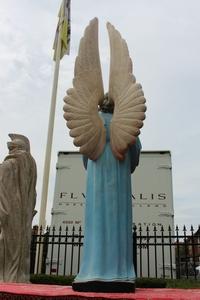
(81, 102)
(127, 95)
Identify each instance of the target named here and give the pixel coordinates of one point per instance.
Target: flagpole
(47, 163)
(45, 185)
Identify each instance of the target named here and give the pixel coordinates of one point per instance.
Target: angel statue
(106, 128)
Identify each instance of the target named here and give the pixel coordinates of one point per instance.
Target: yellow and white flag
(64, 25)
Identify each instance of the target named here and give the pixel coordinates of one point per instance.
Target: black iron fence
(157, 251)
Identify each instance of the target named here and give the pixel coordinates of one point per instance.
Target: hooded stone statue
(17, 203)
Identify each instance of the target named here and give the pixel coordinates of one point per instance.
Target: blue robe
(108, 249)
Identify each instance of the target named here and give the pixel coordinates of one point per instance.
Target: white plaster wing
(81, 102)
(128, 97)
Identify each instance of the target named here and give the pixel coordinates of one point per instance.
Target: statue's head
(18, 142)
(107, 105)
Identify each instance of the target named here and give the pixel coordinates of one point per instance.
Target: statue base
(104, 286)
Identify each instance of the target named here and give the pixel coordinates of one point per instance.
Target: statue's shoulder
(8, 160)
(5, 169)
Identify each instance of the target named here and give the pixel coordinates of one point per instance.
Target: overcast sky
(164, 43)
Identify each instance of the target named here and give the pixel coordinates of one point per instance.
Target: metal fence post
(135, 248)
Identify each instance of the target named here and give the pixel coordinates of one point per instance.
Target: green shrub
(67, 280)
(140, 282)
(150, 283)
(51, 279)
(183, 283)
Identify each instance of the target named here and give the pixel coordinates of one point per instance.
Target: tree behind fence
(157, 252)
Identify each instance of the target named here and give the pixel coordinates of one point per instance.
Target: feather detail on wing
(127, 95)
(81, 102)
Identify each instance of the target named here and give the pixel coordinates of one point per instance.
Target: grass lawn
(183, 283)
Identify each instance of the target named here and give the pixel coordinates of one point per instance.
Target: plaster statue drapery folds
(110, 142)
(17, 202)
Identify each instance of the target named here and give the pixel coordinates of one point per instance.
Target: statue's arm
(135, 154)
(5, 171)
